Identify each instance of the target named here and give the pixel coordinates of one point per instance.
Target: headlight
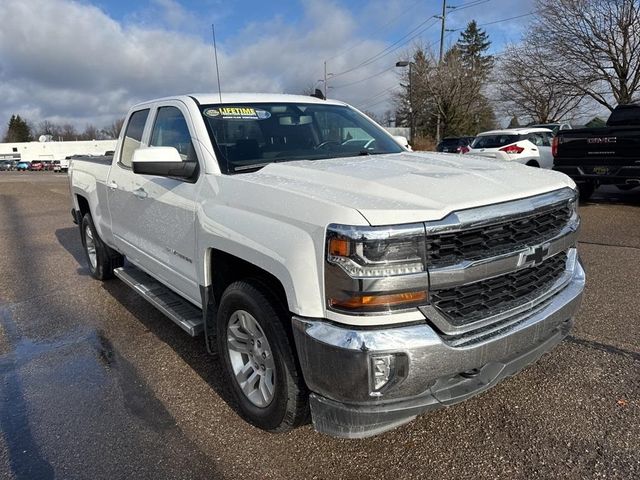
(375, 269)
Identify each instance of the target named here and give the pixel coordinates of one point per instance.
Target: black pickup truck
(602, 156)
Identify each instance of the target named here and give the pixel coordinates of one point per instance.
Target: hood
(409, 187)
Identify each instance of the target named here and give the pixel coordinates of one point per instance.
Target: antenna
(215, 52)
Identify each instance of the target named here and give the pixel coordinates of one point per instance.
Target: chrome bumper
(336, 365)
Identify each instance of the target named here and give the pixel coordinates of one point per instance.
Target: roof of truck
(214, 98)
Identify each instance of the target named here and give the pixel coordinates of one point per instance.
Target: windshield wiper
(252, 166)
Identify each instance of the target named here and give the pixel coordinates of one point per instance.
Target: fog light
(381, 370)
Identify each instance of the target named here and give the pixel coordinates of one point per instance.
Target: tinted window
(250, 136)
(494, 141)
(133, 135)
(171, 130)
(451, 142)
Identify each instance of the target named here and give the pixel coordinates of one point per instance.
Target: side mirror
(402, 141)
(163, 162)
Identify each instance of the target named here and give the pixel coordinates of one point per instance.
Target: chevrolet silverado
(336, 275)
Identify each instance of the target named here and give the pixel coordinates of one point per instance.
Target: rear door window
(133, 136)
(494, 141)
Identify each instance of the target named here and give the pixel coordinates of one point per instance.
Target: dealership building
(48, 150)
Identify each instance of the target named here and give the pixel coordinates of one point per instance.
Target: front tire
(101, 259)
(258, 357)
(585, 190)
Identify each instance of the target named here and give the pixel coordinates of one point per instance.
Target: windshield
(494, 141)
(250, 136)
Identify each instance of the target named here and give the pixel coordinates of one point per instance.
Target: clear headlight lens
(377, 251)
(375, 269)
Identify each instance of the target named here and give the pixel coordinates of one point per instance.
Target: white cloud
(69, 61)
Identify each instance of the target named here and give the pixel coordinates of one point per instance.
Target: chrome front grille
(495, 239)
(491, 267)
(469, 303)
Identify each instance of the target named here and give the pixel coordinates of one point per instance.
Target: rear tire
(258, 357)
(533, 163)
(100, 258)
(585, 190)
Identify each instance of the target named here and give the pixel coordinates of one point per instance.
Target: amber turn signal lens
(365, 302)
(339, 247)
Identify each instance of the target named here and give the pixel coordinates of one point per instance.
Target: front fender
(281, 248)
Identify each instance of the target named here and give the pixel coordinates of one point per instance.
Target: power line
(382, 53)
(367, 103)
(366, 78)
(415, 32)
(499, 21)
(375, 96)
(383, 28)
(365, 106)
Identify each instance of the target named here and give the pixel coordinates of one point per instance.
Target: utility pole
(442, 28)
(443, 19)
(325, 79)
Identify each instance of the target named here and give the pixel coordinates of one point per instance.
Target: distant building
(30, 151)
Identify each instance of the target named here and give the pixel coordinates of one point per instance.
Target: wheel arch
(223, 269)
(83, 206)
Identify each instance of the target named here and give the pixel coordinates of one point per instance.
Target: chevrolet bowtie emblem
(534, 256)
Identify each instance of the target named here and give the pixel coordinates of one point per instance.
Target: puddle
(70, 387)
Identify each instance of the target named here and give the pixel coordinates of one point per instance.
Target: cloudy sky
(87, 61)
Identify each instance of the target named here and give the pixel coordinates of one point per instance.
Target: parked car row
(35, 166)
(530, 146)
(455, 144)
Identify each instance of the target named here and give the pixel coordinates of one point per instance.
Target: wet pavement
(94, 383)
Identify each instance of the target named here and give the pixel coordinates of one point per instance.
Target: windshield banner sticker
(238, 113)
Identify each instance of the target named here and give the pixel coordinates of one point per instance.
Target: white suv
(529, 146)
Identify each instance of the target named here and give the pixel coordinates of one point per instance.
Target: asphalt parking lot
(95, 383)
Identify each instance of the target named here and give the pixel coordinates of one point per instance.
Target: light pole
(409, 64)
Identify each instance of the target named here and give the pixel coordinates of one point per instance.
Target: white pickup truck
(335, 274)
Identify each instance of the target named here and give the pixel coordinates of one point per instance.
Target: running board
(185, 314)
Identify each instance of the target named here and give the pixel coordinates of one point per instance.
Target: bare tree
(113, 130)
(68, 132)
(449, 88)
(46, 127)
(453, 89)
(525, 92)
(596, 44)
(90, 133)
(379, 119)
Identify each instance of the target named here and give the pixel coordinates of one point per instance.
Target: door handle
(140, 192)
(112, 185)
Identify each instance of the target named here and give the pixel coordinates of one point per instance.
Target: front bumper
(336, 365)
(615, 175)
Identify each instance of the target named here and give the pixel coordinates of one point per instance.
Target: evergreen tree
(18, 130)
(473, 45)
(514, 123)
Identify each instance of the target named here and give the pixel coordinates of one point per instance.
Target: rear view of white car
(529, 146)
